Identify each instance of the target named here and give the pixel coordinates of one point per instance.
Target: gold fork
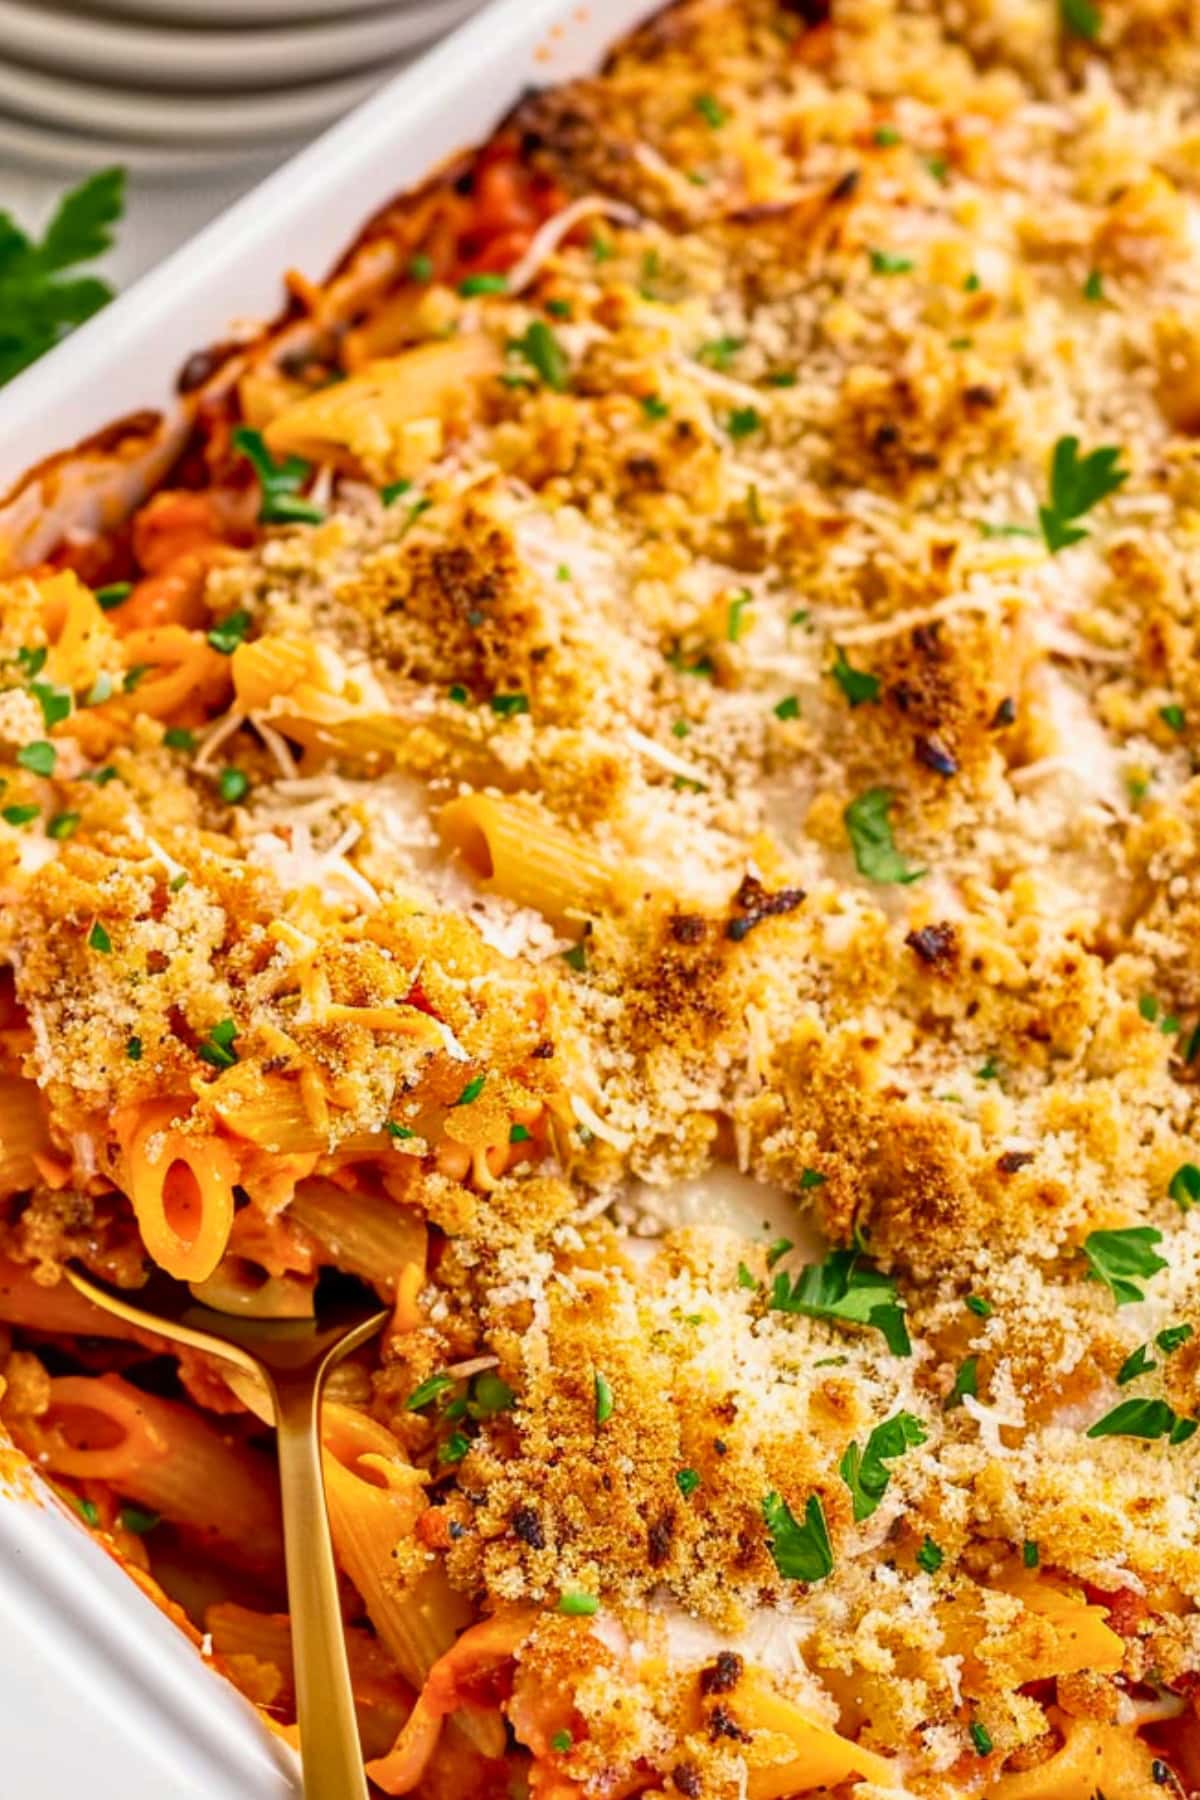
(292, 1357)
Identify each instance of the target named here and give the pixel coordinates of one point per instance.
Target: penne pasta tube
(24, 1301)
(383, 1701)
(812, 1754)
(164, 1456)
(369, 1235)
(272, 1114)
(512, 848)
(180, 1185)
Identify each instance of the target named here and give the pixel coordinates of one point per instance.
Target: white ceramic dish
(244, 12)
(101, 1696)
(126, 51)
(182, 119)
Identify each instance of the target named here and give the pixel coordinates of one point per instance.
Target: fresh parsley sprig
(1118, 1257)
(865, 1472)
(845, 1288)
(280, 482)
(1077, 484)
(39, 303)
(801, 1552)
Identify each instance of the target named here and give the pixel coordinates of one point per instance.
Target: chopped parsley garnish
(604, 1398)
(178, 737)
(507, 706)
(560, 309)
(744, 1278)
(178, 881)
(576, 958)
(929, 1557)
(113, 594)
(680, 728)
(233, 785)
(787, 708)
(981, 1738)
(578, 1606)
(1030, 1554)
(217, 1049)
(32, 662)
(454, 1448)
(482, 284)
(1148, 1007)
(989, 1071)
(39, 758)
(542, 351)
(420, 267)
(472, 1091)
(778, 1250)
(988, 530)
(710, 110)
(742, 421)
(137, 1520)
(1184, 1186)
(1172, 1336)
(978, 1305)
(865, 1472)
(228, 633)
(62, 825)
(1173, 717)
(870, 832)
(800, 1552)
(280, 483)
(396, 1130)
(886, 136)
(88, 1511)
(98, 939)
(19, 815)
(489, 1396)
(883, 262)
(733, 616)
(938, 167)
(562, 573)
(687, 1481)
(1116, 1257)
(718, 353)
(394, 490)
(848, 1290)
(972, 284)
(54, 701)
(135, 676)
(655, 407)
(1148, 1419)
(811, 1178)
(1080, 18)
(965, 1382)
(133, 1049)
(561, 1742)
(1093, 287)
(1077, 484)
(429, 1389)
(1139, 1363)
(518, 1134)
(859, 687)
(782, 378)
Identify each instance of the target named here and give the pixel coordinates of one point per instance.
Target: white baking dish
(99, 1694)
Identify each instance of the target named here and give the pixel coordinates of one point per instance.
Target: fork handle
(329, 1747)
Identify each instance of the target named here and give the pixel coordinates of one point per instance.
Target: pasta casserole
(633, 785)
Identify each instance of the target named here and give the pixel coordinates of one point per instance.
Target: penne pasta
(24, 1134)
(164, 1456)
(511, 848)
(180, 1186)
(367, 1234)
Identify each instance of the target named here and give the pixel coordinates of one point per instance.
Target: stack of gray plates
(178, 87)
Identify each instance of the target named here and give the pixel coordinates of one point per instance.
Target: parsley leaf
(483, 284)
(870, 832)
(1184, 1186)
(1139, 1363)
(710, 110)
(858, 686)
(965, 1382)
(1077, 484)
(226, 635)
(1147, 1419)
(55, 702)
(217, 1049)
(545, 355)
(742, 421)
(604, 1398)
(865, 1472)
(471, 1092)
(37, 309)
(884, 263)
(280, 483)
(1080, 18)
(429, 1389)
(134, 1519)
(800, 1552)
(844, 1287)
(38, 758)
(687, 1481)
(929, 1557)
(1115, 1257)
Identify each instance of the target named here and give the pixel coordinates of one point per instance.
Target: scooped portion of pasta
(634, 786)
